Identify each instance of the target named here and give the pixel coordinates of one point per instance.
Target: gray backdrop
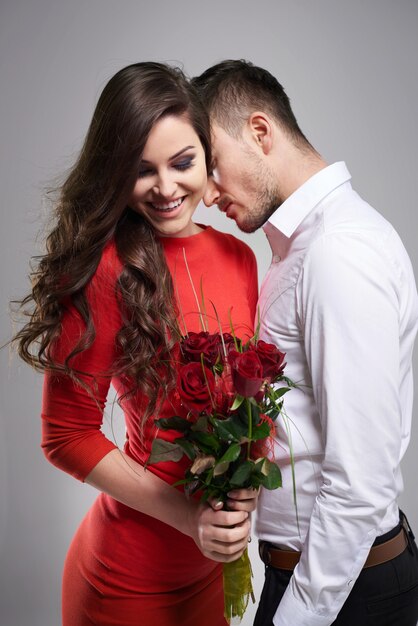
(349, 67)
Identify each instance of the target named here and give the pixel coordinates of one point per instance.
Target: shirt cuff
(291, 612)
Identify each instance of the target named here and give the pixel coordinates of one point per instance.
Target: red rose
(271, 359)
(197, 344)
(224, 391)
(247, 372)
(196, 385)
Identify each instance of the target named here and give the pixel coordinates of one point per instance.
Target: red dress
(123, 567)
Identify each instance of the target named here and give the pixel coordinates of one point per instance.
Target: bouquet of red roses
(231, 398)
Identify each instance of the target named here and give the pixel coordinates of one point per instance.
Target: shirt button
(277, 258)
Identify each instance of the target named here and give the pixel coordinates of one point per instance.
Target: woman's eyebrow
(174, 155)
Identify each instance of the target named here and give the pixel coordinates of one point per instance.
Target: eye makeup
(184, 164)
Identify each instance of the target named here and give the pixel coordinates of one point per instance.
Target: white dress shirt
(340, 299)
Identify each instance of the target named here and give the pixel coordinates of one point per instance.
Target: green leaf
(281, 391)
(173, 423)
(231, 454)
(221, 468)
(183, 481)
(272, 412)
(290, 382)
(164, 451)
(207, 441)
(272, 477)
(255, 413)
(187, 446)
(242, 474)
(237, 403)
(262, 431)
(217, 491)
(201, 425)
(230, 429)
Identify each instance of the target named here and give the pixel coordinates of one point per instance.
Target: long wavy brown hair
(91, 209)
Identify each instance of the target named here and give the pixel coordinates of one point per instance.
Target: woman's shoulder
(231, 243)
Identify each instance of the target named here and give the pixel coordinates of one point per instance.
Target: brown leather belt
(288, 559)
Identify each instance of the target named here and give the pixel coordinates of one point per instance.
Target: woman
(120, 269)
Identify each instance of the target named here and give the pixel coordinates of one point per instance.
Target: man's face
(241, 184)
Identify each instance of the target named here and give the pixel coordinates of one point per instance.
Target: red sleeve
(248, 263)
(252, 274)
(72, 415)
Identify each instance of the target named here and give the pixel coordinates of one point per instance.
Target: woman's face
(172, 177)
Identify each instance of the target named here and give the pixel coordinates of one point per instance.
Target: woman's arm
(220, 535)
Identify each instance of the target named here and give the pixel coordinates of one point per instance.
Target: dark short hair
(233, 89)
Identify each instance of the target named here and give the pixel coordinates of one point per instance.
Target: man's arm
(349, 314)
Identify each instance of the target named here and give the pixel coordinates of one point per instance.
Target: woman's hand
(241, 500)
(220, 535)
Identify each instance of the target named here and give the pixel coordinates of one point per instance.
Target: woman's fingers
(234, 552)
(216, 504)
(242, 500)
(243, 494)
(222, 535)
(227, 534)
(231, 549)
(238, 500)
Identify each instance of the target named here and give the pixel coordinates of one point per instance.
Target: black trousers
(384, 595)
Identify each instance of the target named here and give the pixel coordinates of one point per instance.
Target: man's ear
(261, 130)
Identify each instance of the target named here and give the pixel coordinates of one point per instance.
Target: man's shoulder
(348, 211)
(355, 237)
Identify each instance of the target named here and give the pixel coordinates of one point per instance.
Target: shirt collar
(297, 206)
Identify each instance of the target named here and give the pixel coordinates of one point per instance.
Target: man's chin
(246, 227)
(254, 220)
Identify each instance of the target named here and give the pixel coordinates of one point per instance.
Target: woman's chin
(177, 229)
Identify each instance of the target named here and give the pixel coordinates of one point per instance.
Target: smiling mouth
(166, 207)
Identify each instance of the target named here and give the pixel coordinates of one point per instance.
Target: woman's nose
(211, 195)
(165, 186)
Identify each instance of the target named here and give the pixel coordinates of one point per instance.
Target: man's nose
(211, 195)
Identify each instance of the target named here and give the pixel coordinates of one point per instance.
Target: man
(340, 300)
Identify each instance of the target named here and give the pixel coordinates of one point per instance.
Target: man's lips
(227, 208)
(224, 206)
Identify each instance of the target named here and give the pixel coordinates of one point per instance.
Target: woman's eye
(143, 173)
(183, 165)
(180, 165)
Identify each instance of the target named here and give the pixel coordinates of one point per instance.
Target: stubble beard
(267, 197)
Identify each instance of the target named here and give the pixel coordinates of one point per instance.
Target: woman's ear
(261, 130)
